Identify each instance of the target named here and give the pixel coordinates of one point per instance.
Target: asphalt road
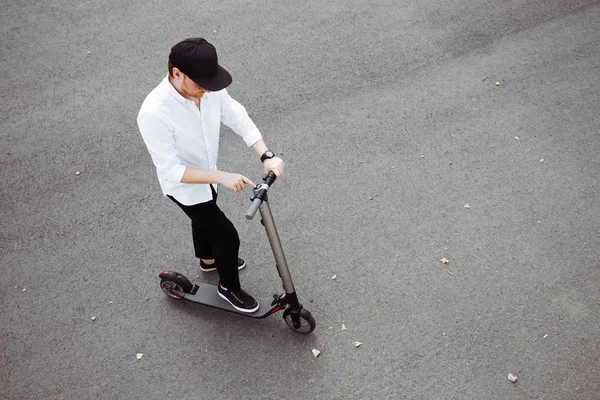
(388, 126)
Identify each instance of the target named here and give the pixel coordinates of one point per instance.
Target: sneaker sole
(244, 310)
(241, 267)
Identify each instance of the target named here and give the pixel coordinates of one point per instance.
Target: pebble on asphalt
(512, 378)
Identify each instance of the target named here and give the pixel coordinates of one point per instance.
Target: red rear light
(164, 273)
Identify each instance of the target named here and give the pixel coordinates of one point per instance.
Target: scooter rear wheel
(175, 288)
(307, 322)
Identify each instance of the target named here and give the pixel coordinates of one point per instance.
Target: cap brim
(214, 83)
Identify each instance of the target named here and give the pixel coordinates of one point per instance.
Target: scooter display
(177, 286)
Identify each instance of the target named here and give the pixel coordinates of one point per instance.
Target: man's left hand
(274, 164)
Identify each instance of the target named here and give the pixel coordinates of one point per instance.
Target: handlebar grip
(253, 208)
(270, 178)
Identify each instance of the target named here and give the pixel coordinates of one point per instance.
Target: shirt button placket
(206, 141)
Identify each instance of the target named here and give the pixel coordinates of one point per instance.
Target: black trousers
(215, 237)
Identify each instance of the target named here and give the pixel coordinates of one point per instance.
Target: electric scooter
(177, 286)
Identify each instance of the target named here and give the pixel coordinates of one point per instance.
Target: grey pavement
(388, 126)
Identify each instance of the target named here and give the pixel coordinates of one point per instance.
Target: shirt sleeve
(161, 146)
(234, 115)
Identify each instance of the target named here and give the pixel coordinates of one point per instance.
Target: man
(179, 122)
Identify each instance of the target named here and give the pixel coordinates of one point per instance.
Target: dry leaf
(343, 327)
(77, 173)
(334, 277)
(93, 318)
(316, 352)
(445, 260)
(516, 138)
(371, 198)
(542, 160)
(467, 205)
(451, 273)
(24, 289)
(512, 378)
(357, 344)
(139, 356)
(497, 83)
(484, 78)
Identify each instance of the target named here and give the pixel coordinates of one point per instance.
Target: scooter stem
(282, 266)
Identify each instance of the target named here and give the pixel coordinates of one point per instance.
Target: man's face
(191, 88)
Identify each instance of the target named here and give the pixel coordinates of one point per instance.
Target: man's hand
(235, 182)
(274, 164)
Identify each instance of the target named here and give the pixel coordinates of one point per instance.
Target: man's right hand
(235, 182)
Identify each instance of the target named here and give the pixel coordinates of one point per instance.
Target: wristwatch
(266, 155)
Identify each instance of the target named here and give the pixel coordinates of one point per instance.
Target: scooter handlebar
(270, 178)
(259, 194)
(253, 208)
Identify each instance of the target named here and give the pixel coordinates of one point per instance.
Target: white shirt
(179, 135)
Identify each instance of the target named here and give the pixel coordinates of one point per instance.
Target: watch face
(269, 153)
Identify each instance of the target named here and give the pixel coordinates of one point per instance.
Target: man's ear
(177, 73)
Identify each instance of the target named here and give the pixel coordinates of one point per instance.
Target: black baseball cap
(197, 58)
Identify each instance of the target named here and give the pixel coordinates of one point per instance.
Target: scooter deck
(207, 294)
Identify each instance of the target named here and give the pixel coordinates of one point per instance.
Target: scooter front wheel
(301, 322)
